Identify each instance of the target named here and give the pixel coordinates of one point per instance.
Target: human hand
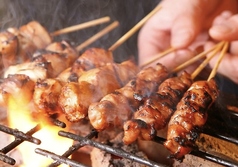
(225, 28)
(181, 24)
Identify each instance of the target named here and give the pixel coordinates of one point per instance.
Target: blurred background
(58, 14)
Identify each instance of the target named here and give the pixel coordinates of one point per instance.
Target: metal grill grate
(19, 138)
(88, 140)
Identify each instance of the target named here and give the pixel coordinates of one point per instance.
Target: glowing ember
(21, 119)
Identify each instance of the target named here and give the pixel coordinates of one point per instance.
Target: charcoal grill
(20, 137)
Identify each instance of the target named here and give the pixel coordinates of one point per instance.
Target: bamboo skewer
(81, 26)
(206, 61)
(97, 36)
(185, 64)
(134, 29)
(158, 56)
(215, 49)
(222, 54)
(197, 57)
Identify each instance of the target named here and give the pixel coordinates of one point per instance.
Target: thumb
(226, 30)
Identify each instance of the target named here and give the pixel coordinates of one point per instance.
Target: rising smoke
(58, 14)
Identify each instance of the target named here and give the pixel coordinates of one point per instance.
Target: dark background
(58, 14)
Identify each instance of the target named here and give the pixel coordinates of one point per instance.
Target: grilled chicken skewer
(75, 98)
(47, 90)
(52, 60)
(189, 117)
(19, 87)
(156, 110)
(61, 56)
(117, 107)
(17, 45)
(48, 63)
(42, 84)
(73, 77)
(91, 58)
(191, 114)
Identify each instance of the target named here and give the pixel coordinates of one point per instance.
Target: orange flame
(21, 119)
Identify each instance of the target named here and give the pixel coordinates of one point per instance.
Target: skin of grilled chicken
(117, 107)
(189, 118)
(61, 55)
(32, 36)
(75, 98)
(156, 111)
(35, 70)
(91, 58)
(45, 96)
(18, 87)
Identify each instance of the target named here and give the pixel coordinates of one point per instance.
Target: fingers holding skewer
(153, 115)
(191, 112)
(158, 56)
(197, 57)
(222, 54)
(228, 65)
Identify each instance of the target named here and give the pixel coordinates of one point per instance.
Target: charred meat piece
(17, 87)
(47, 91)
(34, 70)
(18, 45)
(65, 49)
(91, 58)
(117, 107)
(156, 111)
(45, 96)
(92, 85)
(189, 117)
(32, 36)
(60, 54)
(46, 63)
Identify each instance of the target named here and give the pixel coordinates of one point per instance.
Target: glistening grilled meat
(154, 114)
(117, 107)
(61, 55)
(45, 96)
(34, 70)
(17, 87)
(32, 36)
(18, 45)
(91, 58)
(92, 85)
(189, 118)
(47, 63)
(47, 90)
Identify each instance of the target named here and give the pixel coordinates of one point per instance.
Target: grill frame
(88, 140)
